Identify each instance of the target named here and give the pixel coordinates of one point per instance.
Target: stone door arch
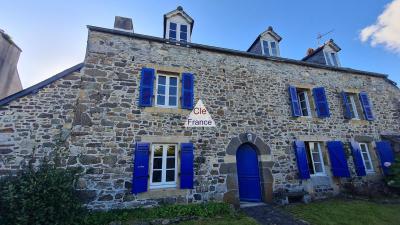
(229, 168)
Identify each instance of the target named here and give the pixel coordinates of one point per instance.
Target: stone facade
(92, 119)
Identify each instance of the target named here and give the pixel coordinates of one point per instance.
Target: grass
(351, 212)
(215, 213)
(225, 220)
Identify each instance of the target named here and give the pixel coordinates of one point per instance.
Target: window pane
(368, 165)
(170, 175)
(158, 150)
(172, 100)
(318, 167)
(170, 163)
(328, 61)
(273, 48)
(161, 80)
(183, 36)
(172, 90)
(266, 48)
(157, 163)
(161, 90)
(172, 35)
(333, 55)
(172, 26)
(316, 157)
(183, 28)
(171, 150)
(160, 99)
(172, 81)
(156, 176)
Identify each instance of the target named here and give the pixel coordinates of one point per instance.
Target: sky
(53, 34)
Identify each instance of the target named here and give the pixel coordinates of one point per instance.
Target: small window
(304, 102)
(266, 48)
(273, 48)
(353, 108)
(183, 33)
(366, 158)
(331, 59)
(172, 31)
(167, 91)
(163, 172)
(315, 159)
(334, 59)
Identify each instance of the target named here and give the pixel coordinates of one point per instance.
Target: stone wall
(93, 120)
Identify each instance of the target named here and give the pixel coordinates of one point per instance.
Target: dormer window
(326, 54)
(178, 26)
(267, 43)
(331, 59)
(270, 48)
(178, 32)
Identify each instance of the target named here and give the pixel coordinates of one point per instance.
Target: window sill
(157, 109)
(358, 122)
(162, 187)
(319, 175)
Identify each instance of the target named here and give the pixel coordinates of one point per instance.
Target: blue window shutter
(146, 87)
(385, 154)
(294, 101)
(338, 159)
(187, 166)
(346, 106)
(301, 158)
(366, 105)
(357, 158)
(187, 97)
(140, 167)
(321, 102)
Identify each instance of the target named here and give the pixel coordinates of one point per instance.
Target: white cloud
(386, 30)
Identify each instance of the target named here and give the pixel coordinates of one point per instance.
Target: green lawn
(225, 220)
(344, 212)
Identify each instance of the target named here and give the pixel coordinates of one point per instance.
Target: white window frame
(323, 173)
(163, 183)
(369, 158)
(307, 102)
(270, 48)
(353, 106)
(178, 31)
(167, 95)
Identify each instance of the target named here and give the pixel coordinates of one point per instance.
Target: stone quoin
(284, 128)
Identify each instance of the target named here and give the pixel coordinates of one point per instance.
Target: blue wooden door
(248, 174)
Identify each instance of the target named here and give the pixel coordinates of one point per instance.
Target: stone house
(284, 128)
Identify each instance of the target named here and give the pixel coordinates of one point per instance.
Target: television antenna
(320, 36)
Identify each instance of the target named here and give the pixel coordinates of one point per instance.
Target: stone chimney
(123, 24)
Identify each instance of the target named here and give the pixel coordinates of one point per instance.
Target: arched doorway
(248, 173)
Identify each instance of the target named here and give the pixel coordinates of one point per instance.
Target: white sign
(199, 117)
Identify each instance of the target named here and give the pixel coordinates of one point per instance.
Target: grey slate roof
(238, 52)
(35, 88)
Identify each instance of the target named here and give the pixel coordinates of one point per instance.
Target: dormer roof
(329, 43)
(269, 31)
(178, 11)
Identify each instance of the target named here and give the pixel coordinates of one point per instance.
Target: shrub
(42, 196)
(393, 178)
(210, 209)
